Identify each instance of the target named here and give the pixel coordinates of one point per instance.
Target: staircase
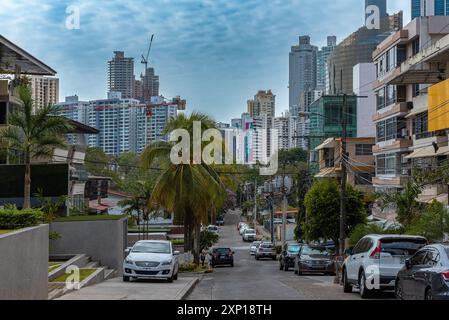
(83, 262)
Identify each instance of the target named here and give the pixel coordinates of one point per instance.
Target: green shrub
(362, 230)
(11, 218)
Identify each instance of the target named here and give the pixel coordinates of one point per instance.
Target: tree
(292, 156)
(127, 162)
(33, 134)
(404, 201)
(432, 224)
(364, 229)
(322, 204)
(97, 162)
(189, 190)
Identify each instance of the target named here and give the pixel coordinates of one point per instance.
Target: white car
(375, 261)
(254, 246)
(213, 229)
(243, 228)
(249, 235)
(151, 259)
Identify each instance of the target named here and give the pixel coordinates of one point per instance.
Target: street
(262, 280)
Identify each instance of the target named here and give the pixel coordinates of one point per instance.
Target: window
(418, 258)
(363, 178)
(420, 124)
(362, 246)
(432, 258)
(363, 149)
(388, 164)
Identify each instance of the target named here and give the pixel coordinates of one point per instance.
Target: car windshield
(402, 247)
(152, 247)
(213, 228)
(250, 231)
(447, 251)
(293, 249)
(315, 250)
(266, 245)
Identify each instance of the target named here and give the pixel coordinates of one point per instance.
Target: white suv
(375, 261)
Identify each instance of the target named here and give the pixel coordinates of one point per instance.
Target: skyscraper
(264, 103)
(430, 8)
(150, 85)
(302, 71)
(44, 91)
(121, 75)
(322, 57)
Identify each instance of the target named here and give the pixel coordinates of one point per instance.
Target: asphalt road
(262, 280)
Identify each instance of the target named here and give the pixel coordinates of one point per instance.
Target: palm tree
(33, 134)
(188, 190)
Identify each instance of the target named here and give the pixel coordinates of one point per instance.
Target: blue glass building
(430, 8)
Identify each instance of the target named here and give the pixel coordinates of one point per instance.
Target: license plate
(222, 257)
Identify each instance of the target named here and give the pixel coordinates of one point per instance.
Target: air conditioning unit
(410, 105)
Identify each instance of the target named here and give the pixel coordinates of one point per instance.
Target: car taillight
(376, 252)
(445, 275)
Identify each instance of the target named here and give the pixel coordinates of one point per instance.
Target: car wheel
(257, 258)
(429, 295)
(125, 279)
(281, 267)
(347, 288)
(364, 291)
(170, 280)
(399, 290)
(175, 276)
(285, 267)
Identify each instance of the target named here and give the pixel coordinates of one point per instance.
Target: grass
(151, 230)
(5, 231)
(53, 265)
(84, 273)
(90, 218)
(178, 242)
(193, 268)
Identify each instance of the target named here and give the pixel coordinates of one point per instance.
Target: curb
(187, 291)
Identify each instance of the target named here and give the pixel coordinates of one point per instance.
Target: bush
(432, 224)
(362, 230)
(12, 218)
(208, 239)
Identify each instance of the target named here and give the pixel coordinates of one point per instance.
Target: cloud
(214, 53)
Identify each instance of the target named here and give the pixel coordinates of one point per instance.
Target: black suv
(288, 255)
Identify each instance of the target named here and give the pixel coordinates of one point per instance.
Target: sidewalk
(116, 289)
(261, 231)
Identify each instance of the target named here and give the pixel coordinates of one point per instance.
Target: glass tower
(430, 8)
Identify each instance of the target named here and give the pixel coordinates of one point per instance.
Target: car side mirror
(348, 252)
(127, 251)
(176, 253)
(408, 264)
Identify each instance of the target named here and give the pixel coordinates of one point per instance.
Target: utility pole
(343, 175)
(284, 209)
(255, 203)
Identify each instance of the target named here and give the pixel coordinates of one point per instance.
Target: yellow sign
(438, 102)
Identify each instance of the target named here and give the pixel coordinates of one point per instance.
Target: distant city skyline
(215, 54)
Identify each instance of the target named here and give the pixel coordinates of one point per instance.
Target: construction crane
(145, 59)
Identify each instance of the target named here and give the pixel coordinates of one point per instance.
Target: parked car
(288, 255)
(314, 259)
(266, 250)
(381, 255)
(243, 228)
(254, 246)
(153, 259)
(239, 225)
(220, 221)
(213, 229)
(425, 276)
(222, 257)
(249, 235)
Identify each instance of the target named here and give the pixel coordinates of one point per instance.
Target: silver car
(254, 246)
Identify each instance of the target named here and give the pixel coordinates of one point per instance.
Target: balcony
(389, 182)
(391, 145)
(400, 37)
(398, 109)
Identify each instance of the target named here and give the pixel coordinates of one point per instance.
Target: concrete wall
(24, 264)
(103, 241)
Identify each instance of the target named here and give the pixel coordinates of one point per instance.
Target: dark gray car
(425, 275)
(314, 259)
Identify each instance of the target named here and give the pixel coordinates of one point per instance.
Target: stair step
(92, 265)
(109, 274)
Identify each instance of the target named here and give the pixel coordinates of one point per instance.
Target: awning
(327, 173)
(328, 144)
(416, 111)
(442, 198)
(422, 153)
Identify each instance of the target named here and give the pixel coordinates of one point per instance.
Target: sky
(216, 54)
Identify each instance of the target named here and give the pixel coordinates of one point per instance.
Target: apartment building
(359, 161)
(74, 109)
(412, 93)
(264, 103)
(44, 91)
(286, 127)
(121, 75)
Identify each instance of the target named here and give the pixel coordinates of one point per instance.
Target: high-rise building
(121, 75)
(302, 71)
(357, 48)
(429, 8)
(74, 109)
(364, 74)
(380, 4)
(322, 57)
(150, 85)
(44, 91)
(264, 103)
(286, 127)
